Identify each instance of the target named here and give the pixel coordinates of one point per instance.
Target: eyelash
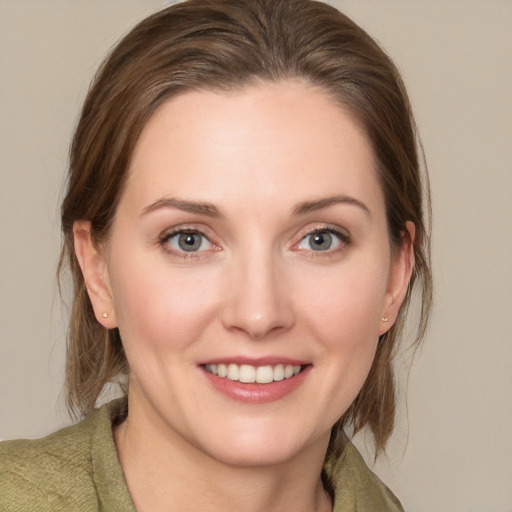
(166, 237)
(343, 238)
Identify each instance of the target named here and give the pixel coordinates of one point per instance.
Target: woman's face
(250, 240)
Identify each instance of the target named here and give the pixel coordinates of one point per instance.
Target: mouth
(248, 374)
(261, 382)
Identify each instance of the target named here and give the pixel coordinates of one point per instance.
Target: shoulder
(53, 473)
(355, 486)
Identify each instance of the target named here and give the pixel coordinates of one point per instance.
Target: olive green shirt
(77, 469)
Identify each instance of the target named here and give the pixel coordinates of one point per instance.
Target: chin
(266, 447)
(249, 456)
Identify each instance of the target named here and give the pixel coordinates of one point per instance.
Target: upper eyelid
(170, 232)
(337, 230)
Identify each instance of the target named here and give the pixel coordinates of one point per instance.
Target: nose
(258, 302)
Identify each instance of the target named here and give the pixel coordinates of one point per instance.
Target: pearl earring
(105, 315)
(384, 319)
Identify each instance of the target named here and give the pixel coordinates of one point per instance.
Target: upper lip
(255, 361)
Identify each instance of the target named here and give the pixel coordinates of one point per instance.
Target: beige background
(453, 447)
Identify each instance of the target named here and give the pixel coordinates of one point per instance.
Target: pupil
(321, 241)
(189, 242)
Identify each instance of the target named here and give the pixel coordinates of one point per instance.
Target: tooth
(264, 374)
(246, 373)
(288, 371)
(232, 373)
(279, 372)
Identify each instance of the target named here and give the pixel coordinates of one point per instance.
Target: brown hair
(222, 45)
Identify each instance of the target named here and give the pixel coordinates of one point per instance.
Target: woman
(244, 226)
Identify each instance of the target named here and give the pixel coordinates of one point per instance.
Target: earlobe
(94, 269)
(402, 267)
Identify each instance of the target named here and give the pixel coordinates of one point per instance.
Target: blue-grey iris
(320, 241)
(189, 242)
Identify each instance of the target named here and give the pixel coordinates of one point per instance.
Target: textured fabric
(356, 488)
(77, 469)
(74, 469)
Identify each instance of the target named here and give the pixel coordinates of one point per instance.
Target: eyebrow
(210, 210)
(313, 206)
(200, 208)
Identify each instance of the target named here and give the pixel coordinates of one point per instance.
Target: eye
(322, 240)
(188, 241)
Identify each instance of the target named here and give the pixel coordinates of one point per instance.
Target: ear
(402, 266)
(95, 272)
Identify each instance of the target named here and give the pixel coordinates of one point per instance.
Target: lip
(256, 361)
(255, 393)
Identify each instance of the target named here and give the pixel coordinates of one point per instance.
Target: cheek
(161, 306)
(343, 312)
(346, 324)
(346, 305)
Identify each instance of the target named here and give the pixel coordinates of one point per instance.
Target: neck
(165, 472)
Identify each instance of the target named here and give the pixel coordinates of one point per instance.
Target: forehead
(254, 144)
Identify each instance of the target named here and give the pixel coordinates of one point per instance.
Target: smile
(248, 374)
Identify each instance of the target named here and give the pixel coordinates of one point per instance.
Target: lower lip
(257, 393)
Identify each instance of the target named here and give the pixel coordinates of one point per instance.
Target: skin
(258, 287)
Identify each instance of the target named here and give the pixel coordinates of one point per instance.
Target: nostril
(257, 304)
